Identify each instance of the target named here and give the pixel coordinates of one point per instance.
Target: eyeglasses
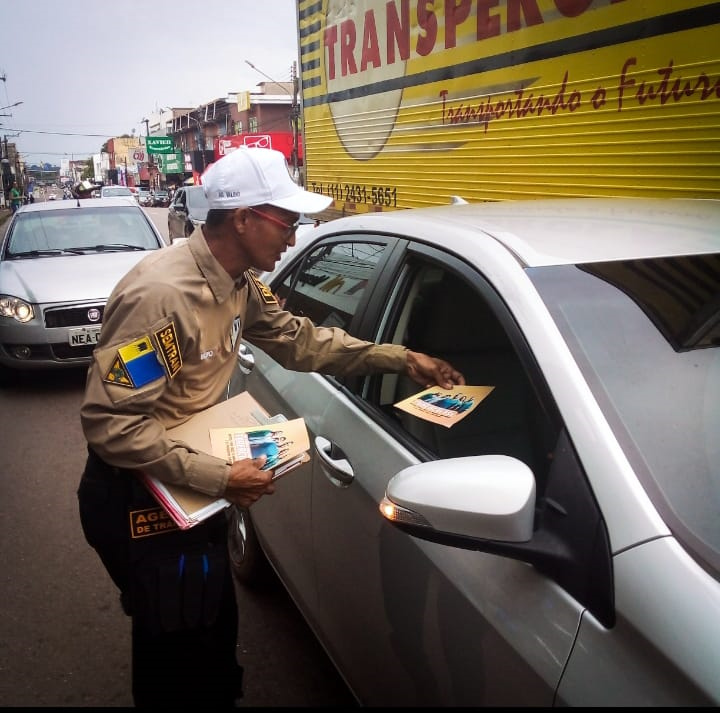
(290, 228)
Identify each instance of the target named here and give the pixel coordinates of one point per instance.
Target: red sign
(279, 140)
(139, 155)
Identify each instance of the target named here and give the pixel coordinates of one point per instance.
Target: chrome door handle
(246, 359)
(337, 466)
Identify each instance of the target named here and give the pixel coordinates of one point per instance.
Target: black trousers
(175, 584)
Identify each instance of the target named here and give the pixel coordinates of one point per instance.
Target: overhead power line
(62, 133)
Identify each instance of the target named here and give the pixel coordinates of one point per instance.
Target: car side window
(329, 284)
(445, 316)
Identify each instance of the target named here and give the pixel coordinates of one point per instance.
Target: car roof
(196, 199)
(562, 231)
(72, 203)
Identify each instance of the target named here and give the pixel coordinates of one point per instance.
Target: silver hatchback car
(58, 264)
(559, 545)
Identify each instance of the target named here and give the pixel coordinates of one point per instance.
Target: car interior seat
(450, 320)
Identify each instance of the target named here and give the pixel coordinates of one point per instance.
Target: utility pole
(294, 120)
(294, 110)
(5, 163)
(151, 163)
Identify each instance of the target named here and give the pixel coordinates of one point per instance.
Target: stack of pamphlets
(232, 430)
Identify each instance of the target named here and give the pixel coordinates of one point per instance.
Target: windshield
(646, 334)
(65, 230)
(115, 191)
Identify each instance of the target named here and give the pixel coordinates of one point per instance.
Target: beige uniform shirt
(168, 345)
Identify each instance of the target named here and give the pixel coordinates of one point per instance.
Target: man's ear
(239, 218)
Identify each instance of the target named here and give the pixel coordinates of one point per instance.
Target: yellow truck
(409, 103)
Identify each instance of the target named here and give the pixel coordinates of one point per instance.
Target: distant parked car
(59, 261)
(161, 199)
(187, 210)
(144, 197)
(115, 192)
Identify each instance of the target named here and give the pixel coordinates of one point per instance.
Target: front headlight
(16, 308)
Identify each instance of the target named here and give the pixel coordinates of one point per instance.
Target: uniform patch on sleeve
(135, 365)
(166, 338)
(265, 293)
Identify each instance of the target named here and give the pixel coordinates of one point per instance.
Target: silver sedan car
(58, 264)
(558, 545)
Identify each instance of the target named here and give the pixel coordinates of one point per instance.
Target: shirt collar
(220, 283)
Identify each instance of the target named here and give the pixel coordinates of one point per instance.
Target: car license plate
(83, 336)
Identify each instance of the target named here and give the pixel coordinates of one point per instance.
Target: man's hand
(247, 482)
(429, 371)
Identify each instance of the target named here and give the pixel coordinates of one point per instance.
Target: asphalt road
(65, 640)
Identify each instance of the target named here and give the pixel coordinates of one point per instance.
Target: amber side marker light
(397, 513)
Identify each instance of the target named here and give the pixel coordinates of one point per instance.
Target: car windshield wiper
(35, 253)
(109, 247)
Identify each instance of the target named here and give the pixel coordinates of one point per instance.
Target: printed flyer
(284, 444)
(444, 407)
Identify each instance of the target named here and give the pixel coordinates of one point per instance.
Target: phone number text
(358, 193)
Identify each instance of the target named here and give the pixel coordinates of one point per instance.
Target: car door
(417, 622)
(410, 622)
(331, 286)
(177, 214)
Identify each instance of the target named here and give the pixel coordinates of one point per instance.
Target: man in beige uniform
(170, 335)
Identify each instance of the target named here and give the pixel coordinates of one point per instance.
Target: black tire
(247, 560)
(5, 376)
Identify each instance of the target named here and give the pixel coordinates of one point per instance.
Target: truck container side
(407, 103)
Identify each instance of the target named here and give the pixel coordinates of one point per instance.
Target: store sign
(159, 144)
(171, 163)
(243, 101)
(139, 155)
(279, 140)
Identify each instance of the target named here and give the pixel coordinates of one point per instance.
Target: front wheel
(247, 560)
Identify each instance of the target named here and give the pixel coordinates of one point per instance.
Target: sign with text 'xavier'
(159, 144)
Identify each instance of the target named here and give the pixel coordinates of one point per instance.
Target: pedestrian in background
(15, 197)
(170, 334)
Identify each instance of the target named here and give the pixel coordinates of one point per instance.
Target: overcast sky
(90, 70)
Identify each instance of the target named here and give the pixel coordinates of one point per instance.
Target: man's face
(270, 231)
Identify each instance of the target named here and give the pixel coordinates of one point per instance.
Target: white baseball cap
(250, 176)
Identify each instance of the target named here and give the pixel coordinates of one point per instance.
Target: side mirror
(489, 497)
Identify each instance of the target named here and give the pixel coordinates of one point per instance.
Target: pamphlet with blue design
(223, 430)
(444, 407)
